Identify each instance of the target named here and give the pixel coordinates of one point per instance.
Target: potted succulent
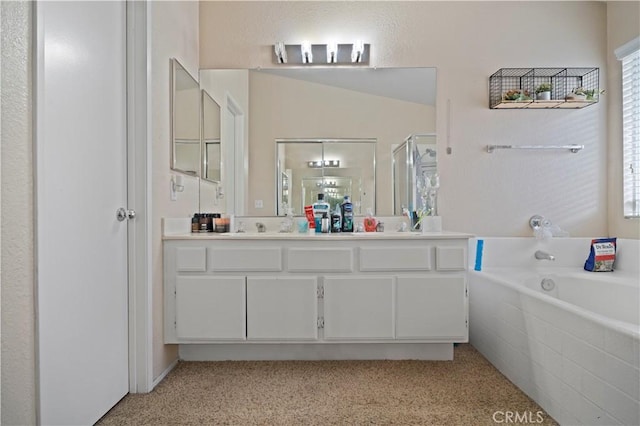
(543, 92)
(593, 94)
(582, 94)
(517, 95)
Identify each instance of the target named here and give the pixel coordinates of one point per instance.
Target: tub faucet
(261, 227)
(543, 255)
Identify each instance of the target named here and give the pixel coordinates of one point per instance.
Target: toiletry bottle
(195, 223)
(325, 223)
(336, 219)
(203, 222)
(320, 207)
(370, 222)
(347, 214)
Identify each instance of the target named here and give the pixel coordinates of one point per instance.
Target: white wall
(18, 320)
(487, 194)
(173, 34)
(623, 24)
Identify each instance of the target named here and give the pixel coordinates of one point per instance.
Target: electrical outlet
(258, 204)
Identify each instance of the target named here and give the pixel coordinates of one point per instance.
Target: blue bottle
(347, 214)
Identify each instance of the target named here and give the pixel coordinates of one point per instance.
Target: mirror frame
(175, 67)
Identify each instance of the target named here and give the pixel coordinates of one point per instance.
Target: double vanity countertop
(180, 229)
(392, 235)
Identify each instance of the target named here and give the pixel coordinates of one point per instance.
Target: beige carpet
(467, 391)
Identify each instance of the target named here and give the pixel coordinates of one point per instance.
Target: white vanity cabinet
(282, 308)
(338, 291)
(358, 308)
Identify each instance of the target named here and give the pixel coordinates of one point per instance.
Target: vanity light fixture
(355, 54)
(307, 54)
(281, 52)
(325, 163)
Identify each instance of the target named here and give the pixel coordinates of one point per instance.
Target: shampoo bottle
(347, 214)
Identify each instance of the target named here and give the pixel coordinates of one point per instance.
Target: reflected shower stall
(415, 162)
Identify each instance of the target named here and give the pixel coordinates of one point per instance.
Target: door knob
(122, 214)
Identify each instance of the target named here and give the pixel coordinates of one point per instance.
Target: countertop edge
(319, 237)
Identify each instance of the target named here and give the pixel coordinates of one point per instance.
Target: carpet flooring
(466, 391)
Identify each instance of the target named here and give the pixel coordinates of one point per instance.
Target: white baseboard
(163, 375)
(337, 351)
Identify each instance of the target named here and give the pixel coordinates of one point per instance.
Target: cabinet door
(358, 308)
(282, 308)
(431, 307)
(210, 308)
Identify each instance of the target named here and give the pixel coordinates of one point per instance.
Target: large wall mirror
(185, 123)
(333, 167)
(377, 104)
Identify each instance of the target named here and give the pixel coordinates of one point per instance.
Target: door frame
(139, 199)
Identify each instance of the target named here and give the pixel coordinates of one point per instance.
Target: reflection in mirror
(333, 167)
(210, 138)
(185, 123)
(413, 161)
(382, 104)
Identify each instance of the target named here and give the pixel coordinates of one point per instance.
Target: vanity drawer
(320, 259)
(395, 258)
(245, 259)
(191, 259)
(451, 258)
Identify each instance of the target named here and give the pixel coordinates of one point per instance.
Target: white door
(81, 179)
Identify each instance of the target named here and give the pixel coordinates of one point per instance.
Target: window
(629, 54)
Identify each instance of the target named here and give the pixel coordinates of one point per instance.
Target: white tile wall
(579, 371)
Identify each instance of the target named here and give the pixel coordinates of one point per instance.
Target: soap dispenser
(370, 222)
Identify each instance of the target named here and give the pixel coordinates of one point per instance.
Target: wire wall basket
(544, 88)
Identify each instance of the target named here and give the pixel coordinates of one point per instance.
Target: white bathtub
(574, 349)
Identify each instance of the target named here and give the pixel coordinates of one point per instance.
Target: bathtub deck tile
(586, 330)
(552, 361)
(536, 328)
(536, 351)
(572, 374)
(554, 337)
(593, 388)
(514, 316)
(623, 346)
(616, 403)
(591, 414)
(624, 376)
(583, 354)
